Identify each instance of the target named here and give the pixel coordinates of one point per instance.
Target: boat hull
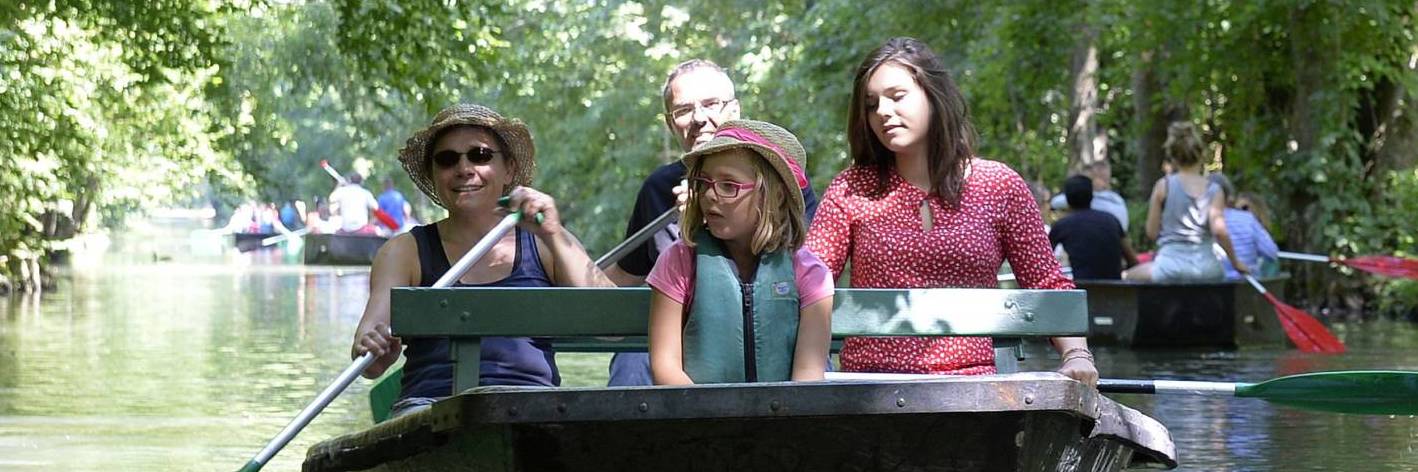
(1147, 315)
(1027, 422)
(247, 242)
(341, 249)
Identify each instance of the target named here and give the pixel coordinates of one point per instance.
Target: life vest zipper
(750, 364)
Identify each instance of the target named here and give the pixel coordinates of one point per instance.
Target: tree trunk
(1087, 142)
(1151, 115)
(1309, 54)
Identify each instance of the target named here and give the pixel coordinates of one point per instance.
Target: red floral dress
(996, 220)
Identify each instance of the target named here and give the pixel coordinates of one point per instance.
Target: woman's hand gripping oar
(348, 375)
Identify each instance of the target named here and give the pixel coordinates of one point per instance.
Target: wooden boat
(341, 249)
(1013, 421)
(1024, 421)
(1220, 314)
(247, 242)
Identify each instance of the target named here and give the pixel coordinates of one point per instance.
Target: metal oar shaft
(478, 250)
(345, 378)
(1255, 283)
(1300, 256)
(282, 237)
(1183, 387)
(619, 251)
(307, 414)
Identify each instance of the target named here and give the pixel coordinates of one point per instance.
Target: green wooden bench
(575, 317)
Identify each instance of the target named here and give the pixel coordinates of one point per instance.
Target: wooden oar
(1391, 266)
(349, 374)
(1304, 330)
(1361, 392)
(635, 240)
(379, 214)
(284, 236)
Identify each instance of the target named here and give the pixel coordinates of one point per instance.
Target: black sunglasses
(476, 156)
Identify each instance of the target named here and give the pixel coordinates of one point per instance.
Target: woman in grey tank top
(1185, 217)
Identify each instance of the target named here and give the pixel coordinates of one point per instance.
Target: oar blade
(1390, 266)
(1308, 334)
(1363, 392)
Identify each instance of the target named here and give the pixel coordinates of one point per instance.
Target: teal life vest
(740, 332)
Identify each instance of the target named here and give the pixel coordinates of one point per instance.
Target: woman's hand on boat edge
(1080, 369)
(385, 346)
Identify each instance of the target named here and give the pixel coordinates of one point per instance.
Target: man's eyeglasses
(712, 106)
(476, 156)
(723, 188)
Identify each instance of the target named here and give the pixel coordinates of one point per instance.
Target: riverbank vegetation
(116, 107)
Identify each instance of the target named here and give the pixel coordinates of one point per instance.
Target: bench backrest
(467, 314)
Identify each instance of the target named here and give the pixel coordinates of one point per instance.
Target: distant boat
(247, 242)
(1228, 314)
(341, 249)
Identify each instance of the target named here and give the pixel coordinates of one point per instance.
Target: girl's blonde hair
(780, 223)
(1183, 146)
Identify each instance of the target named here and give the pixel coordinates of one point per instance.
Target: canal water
(169, 353)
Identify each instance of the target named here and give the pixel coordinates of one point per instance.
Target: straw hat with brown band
(516, 140)
(778, 146)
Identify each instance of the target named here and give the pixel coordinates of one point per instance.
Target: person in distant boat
(1095, 242)
(292, 216)
(468, 158)
(392, 202)
(352, 205)
(698, 96)
(1185, 214)
(918, 209)
(1104, 198)
(243, 219)
(739, 281)
(1249, 238)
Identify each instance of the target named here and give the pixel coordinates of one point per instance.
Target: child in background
(738, 298)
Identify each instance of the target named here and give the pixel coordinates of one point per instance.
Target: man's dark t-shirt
(1093, 240)
(656, 197)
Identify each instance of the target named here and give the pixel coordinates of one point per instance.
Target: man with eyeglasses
(698, 96)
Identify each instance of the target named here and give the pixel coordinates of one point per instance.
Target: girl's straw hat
(778, 146)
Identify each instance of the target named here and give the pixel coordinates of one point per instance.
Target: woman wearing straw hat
(917, 209)
(466, 160)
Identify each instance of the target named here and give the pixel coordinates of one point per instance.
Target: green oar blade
(1364, 392)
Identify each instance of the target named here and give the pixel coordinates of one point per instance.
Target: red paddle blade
(1145, 257)
(386, 219)
(1385, 265)
(1305, 331)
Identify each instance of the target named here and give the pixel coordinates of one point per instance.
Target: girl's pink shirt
(673, 275)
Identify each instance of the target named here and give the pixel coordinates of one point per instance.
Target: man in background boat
(1104, 198)
(1251, 240)
(698, 96)
(351, 204)
(392, 202)
(1096, 244)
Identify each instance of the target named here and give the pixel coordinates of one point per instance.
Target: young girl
(738, 298)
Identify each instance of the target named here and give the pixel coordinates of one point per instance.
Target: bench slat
(557, 312)
(466, 314)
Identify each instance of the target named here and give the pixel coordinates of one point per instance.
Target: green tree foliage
(1309, 103)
